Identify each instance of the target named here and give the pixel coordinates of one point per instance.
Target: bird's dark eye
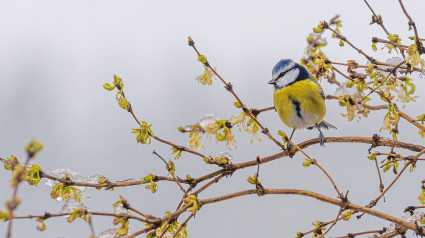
(281, 75)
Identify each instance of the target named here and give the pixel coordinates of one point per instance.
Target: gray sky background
(56, 55)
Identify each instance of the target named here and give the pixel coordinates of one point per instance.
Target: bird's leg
(321, 136)
(288, 147)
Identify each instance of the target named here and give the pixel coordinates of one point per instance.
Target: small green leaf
(109, 87)
(118, 82)
(372, 156)
(175, 150)
(11, 162)
(387, 167)
(123, 103)
(374, 47)
(421, 197)
(171, 167)
(207, 160)
(347, 215)
(192, 204)
(202, 59)
(42, 226)
(33, 147)
(252, 180)
(144, 133)
(307, 163)
(349, 84)
(4, 216)
(237, 104)
(124, 222)
(33, 174)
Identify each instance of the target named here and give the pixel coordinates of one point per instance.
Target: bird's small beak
(272, 81)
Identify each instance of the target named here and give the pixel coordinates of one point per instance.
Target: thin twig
(333, 224)
(421, 49)
(323, 224)
(342, 74)
(13, 202)
(393, 71)
(378, 20)
(375, 39)
(213, 181)
(46, 216)
(179, 147)
(375, 201)
(381, 185)
(69, 182)
(89, 221)
(370, 107)
(149, 228)
(350, 235)
(129, 207)
(183, 225)
(313, 161)
(229, 87)
(164, 231)
(174, 177)
(343, 38)
(256, 112)
(418, 207)
(355, 66)
(411, 120)
(182, 148)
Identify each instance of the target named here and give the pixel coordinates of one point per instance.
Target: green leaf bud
(108, 87)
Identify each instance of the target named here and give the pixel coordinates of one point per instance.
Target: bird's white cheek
(288, 78)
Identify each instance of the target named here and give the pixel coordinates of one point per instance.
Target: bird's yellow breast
(300, 105)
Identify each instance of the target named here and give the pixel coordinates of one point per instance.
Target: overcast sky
(56, 55)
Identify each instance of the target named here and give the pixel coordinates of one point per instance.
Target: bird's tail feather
(326, 125)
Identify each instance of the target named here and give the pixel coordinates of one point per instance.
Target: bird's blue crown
(285, 65)
(282, 64)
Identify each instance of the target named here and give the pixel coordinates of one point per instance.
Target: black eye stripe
(281, 75)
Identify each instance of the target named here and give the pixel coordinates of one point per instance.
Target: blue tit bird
(298, 98)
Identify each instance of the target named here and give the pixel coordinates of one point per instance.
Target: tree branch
(320, 197)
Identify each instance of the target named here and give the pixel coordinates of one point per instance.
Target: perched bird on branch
(298, 98)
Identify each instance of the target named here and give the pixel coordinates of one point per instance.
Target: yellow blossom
(247, 124)
(351, 113)
(421, 133)
(414, 57)
(403, 96)
(206, 77)
(195, 140)
(240, 120)
(237, 119)
(212, 128)
(230, 138)
(387, 123)
(253, 130)
(421, 197)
